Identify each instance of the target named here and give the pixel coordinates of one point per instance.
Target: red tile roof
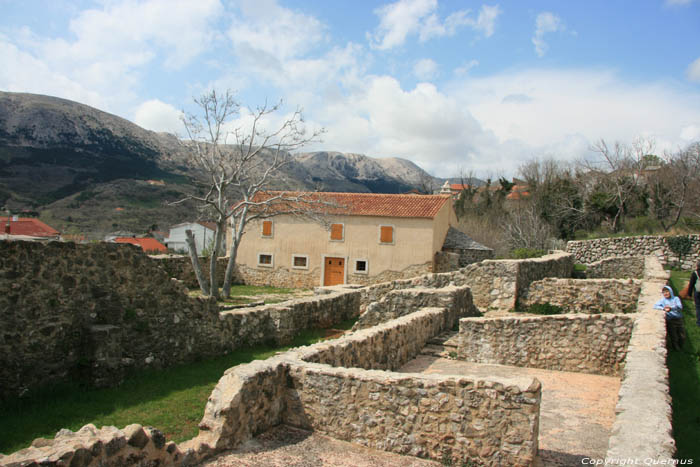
(146, 244)
(368, 204)
(28, 226)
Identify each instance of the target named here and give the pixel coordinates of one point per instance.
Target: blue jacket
(673, 302)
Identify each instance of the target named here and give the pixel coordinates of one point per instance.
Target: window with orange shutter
(386, 234)
(267, 229)
(337, 232)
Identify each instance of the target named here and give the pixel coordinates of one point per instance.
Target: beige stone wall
(590, 251)
(397, 303)
(584, 295)
(585, 344)
(617, 267)
(490, 422)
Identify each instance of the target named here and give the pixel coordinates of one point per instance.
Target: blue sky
(451, 85)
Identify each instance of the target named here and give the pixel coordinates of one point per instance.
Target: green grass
(684, 371)
(243, 294)
(171, 400)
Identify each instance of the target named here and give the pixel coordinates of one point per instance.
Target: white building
(203, 236)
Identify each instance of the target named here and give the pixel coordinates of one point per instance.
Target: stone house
(367, 238)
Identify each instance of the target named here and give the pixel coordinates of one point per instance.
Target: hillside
(85, 170)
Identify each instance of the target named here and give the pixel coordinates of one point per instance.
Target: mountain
(88, 171)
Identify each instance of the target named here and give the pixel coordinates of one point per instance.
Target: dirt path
(577, 411)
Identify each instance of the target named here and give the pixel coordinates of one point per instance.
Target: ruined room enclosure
(424, 375)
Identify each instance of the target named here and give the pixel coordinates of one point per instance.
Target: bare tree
(523, 228)
(238, 165)
(674, 185)
(620, 167)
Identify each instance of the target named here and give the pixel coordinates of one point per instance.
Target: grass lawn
(171, 400)
(684, 371)
(243, 294)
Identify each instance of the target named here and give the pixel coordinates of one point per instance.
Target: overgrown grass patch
(171, 400)
(541, 309)
(684, 371)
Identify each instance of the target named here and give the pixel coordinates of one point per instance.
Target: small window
(337, 232)
(361, 266)
(267, 228)
(265, 260)
(386, 234)
(300, 262)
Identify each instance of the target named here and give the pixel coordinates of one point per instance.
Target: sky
(454, 86)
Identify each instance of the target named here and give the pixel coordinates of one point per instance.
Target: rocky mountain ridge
(89, 171)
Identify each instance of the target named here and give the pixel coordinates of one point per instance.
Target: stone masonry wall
(488, 422)
(385, 347)
(617, 267)
(92, 312)
(585, 295)
(180, 267)
(467, 257)
(584, 344)
(589, 251)
(402, 302)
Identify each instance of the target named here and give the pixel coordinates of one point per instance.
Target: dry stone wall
(590, 251)
(489, 422)
(458, 300)
(584, 344)
(92, 312)
(584, 295)
(618, 267)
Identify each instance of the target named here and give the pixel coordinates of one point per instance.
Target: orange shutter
(336, 231)
(386, 234)
(267, 229)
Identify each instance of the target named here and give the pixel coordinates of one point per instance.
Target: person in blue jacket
(673, 308)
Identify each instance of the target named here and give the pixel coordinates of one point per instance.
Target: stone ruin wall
(583, 344)
(402, 413)
(618, 267)
(397, 303)
(590, 251)
(93, 312)
(467, 257)
(584, 295)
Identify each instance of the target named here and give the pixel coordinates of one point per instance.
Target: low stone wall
(495, 284)
(488, 422)
(93, 312)
(584, 295)
(467, 257)
(109, 447)
(458, 300)
(618, 267)
(584, 344)
(642, 429)
(180, 267)
(385, 347)
(590, 251)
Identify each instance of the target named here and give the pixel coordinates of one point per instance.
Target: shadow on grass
(171, 400)
(684, 379)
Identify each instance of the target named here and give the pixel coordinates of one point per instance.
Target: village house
(203, 236)
(27, 228)
(147, 244)
(367, 238)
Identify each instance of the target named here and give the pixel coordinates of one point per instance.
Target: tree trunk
(228, 277)
(213, 263)
(192, 247)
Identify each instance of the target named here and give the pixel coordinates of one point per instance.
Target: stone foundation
(584, 344)
(584, 295)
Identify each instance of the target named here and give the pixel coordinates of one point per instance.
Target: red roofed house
(28, 227)
(371, 238)
(149, 245)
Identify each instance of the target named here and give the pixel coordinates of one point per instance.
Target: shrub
(524, 253)
(543, 309)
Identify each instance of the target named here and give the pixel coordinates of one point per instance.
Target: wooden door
(334, 271)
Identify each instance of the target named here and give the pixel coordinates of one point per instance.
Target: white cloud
(465, 68)
(693, 71)
(691, 133)
(276, 32)
(425, 69)
(545, 23)
(156, 115)
(400, 19)
(673, 3)
(110, 48)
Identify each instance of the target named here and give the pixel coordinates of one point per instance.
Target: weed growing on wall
(542, 309)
